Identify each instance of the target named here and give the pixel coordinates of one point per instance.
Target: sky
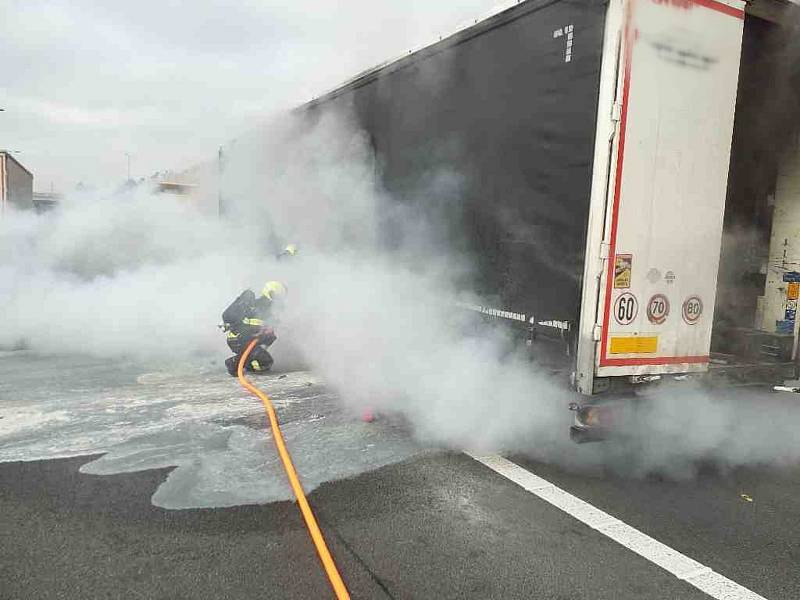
(86, 83)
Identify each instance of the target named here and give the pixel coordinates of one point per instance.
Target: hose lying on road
(311, 523)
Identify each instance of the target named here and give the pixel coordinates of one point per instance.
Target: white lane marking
(669, 559)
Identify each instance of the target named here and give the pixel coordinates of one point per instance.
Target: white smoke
(683, 428)
(383, 329)
(148, 276)
(138, 275)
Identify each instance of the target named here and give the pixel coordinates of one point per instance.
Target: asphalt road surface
(423, 523)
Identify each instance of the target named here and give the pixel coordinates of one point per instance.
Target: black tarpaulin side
(510, 109)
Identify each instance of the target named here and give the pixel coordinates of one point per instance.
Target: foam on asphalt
(193, 417)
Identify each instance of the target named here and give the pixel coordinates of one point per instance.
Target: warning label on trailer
(622, 271)
(658, 309)
(634, 345)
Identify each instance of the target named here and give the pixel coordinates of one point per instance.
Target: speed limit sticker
(658, 309)
(626, 308)
(692, 309)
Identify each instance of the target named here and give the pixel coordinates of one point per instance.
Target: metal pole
(219, 182)
(3, 183)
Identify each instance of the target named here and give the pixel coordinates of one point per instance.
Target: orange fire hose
(311, 523)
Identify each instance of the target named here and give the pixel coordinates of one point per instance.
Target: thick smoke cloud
(379, 322)
(684, 428)
(117, 275)
(147, 276)
(381, 327)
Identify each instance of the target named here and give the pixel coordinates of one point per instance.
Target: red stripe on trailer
(721, 7)
(626, 88)
(657, 360)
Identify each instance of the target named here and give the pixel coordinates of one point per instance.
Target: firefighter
(289, 250)
(250, 317)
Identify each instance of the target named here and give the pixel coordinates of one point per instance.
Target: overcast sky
(85, 82)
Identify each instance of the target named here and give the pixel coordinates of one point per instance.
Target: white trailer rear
(665, 123)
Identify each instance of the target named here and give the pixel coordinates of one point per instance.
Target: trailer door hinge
(616, 112)
(597, 333)
(605, 247)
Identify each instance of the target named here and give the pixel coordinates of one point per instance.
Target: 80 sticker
(626, 308)
(692, 309)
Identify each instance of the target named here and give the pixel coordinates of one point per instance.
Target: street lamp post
(219, 181)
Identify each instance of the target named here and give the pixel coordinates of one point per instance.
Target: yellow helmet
(273, 289)
(289, 250)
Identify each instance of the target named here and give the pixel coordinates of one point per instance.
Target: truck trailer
(595, 137)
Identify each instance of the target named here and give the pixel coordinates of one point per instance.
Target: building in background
(44, 201)
(175, 188)
(16, 184)
(199, 184)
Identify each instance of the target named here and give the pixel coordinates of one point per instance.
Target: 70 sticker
(658, 309)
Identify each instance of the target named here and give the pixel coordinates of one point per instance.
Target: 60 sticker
(658, 309)
(626, 308)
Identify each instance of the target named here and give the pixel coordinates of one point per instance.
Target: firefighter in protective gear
(289, 250)
(250, 317)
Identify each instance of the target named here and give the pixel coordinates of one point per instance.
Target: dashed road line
(685, 568)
